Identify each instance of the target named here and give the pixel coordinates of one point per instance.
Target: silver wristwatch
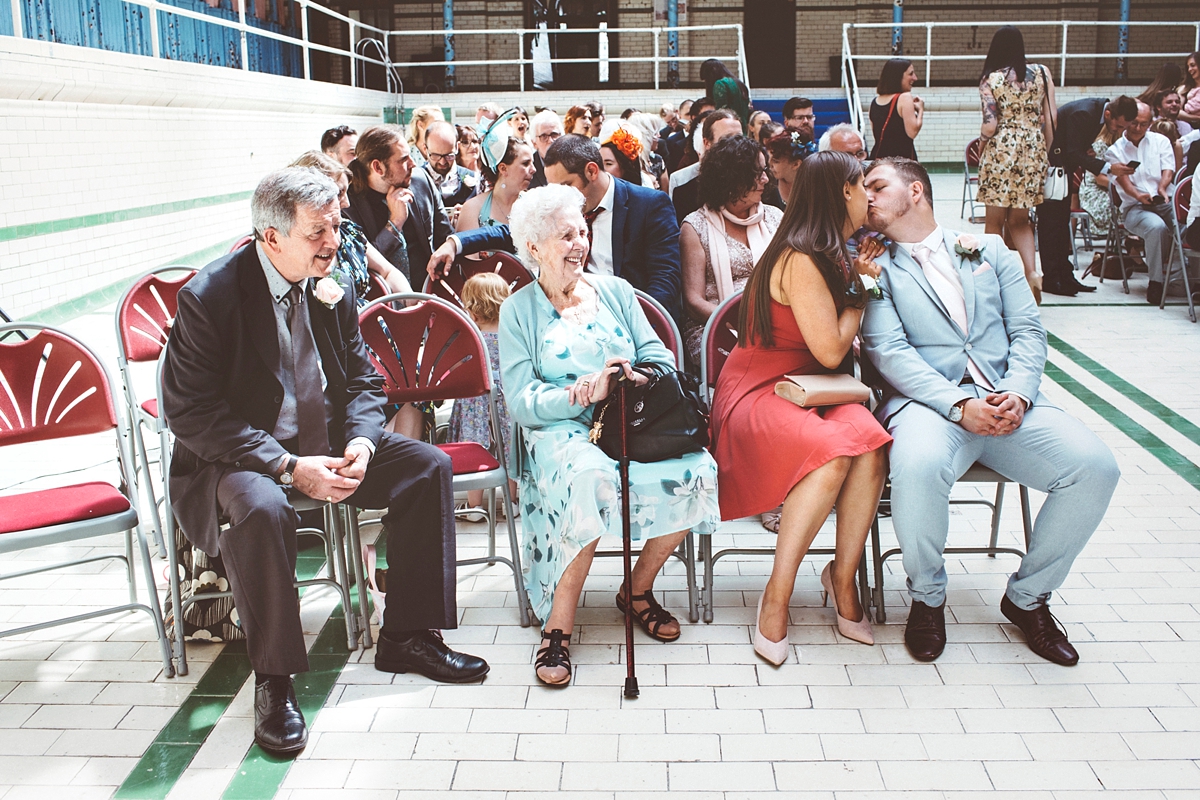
(286, 477)
(956, 411)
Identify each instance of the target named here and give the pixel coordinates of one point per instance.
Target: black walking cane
(631, 684)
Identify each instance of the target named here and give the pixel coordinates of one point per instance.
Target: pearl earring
(502, 186)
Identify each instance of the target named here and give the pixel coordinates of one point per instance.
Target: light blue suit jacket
(920, 351)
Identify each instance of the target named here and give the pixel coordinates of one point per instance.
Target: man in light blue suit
(958, 339)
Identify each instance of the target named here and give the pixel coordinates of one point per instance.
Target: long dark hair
(714, 70)
(1188, 83)
(891, 77)
(1007, 50)
(1169, 77)
(812, 224)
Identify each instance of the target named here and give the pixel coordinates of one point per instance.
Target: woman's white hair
(535, 216)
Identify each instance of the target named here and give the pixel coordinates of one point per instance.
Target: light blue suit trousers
(1051, 452)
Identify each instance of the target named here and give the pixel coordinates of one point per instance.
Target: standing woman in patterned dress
(1018, 123)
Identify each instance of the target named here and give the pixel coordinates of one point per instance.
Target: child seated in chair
(469, 420)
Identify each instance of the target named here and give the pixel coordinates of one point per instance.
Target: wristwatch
(956, 411)
(286, 477)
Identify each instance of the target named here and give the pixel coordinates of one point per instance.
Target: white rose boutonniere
(328, 291)
(967, 246)
(470, 181)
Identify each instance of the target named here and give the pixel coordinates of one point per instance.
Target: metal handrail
(1063, 56)
(382, 42)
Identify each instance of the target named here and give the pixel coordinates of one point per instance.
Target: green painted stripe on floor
(1168, 455)
(1158, 409)
(261, 774)
(164, 762)
(109, 295)
(14, 232)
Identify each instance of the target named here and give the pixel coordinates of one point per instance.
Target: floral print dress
(570, 490)
(470, 420)
(1012, 166)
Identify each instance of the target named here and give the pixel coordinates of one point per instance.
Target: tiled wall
(146, 162)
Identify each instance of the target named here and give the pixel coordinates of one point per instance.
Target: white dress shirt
(1157, 156)
(600, 260)
(943, 276)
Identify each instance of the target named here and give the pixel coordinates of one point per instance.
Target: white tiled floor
(79, 704)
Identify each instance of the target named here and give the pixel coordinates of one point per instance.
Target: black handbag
(667, 417)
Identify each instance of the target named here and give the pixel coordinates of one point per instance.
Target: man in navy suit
(633, 229)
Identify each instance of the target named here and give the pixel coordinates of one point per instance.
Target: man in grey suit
(958, 339)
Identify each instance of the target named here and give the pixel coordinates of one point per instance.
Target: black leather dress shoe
(925, 634)
(278, 724)
(1062, 289)
(1080, 287)
(1041, 632)
(425, 652)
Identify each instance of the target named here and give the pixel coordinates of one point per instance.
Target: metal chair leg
(877, 557)
(1026, 516)
(689, 565)
(707, 591)
(338, 572)
(996, 508)
(515, 552)
(354, 545)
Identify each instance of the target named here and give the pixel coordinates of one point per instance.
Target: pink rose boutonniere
(328, 291)
(967, 246)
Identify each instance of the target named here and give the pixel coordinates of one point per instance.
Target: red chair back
(428, 351)
(720, 337)
(971, 154)
(51, 387)
(145, 314)
(663, 325)
(505, 265)
(1183, 200)
(240, 243)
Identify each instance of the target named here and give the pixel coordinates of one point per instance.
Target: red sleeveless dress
(764, 444)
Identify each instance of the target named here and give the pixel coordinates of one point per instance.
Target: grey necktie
(310, 400)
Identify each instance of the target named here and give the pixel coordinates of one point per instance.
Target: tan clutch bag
(808, 391)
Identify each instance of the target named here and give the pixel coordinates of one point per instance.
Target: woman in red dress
(799, 314)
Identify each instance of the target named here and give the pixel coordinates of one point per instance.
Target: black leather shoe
(1080, 287)
(925, 634)
(1041, 633)
(1154, 292)
(1061, 289)
(426, 653)
(278, 724)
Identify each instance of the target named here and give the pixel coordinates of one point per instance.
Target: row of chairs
(425, 346)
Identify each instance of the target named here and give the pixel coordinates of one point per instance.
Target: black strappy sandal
(555, 654)
(653, 614)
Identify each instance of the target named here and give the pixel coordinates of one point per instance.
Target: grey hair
(826, 141)
(544, 116)
(534, 217)
(279, 195)
(648, 124)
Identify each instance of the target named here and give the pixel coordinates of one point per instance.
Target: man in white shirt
(545, 128)
(1146, 194)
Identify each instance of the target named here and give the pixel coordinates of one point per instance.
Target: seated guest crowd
(269, 389)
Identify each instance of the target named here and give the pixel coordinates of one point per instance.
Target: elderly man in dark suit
(269, 392)
(1079, 123)
(632, 229)
(396, 204)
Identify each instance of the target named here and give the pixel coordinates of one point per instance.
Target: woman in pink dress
(799, 314)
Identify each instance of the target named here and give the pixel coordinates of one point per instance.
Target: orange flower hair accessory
(627, 142)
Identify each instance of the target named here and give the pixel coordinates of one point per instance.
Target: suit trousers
(411, 479)
(1153, 224)
(1054, 240)
(1051, 452)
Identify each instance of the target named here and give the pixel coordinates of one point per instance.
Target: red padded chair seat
(469, 457)
(151, 407)
(83, 501)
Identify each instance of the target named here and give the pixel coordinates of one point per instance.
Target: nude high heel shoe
(775, 652)
(858, 631)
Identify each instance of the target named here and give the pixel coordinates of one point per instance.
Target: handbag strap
(891, 110)
(1049, 111)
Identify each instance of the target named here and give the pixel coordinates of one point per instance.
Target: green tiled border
(14, 232)
(78, 306)
(1171, 418)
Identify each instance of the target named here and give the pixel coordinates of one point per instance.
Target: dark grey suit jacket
(222, 387)
(424, 231)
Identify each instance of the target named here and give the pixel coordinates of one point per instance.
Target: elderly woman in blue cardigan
(563, 342)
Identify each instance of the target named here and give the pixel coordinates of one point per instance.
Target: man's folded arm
(193, 406)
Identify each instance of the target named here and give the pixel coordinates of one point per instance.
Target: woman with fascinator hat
(506, 163)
